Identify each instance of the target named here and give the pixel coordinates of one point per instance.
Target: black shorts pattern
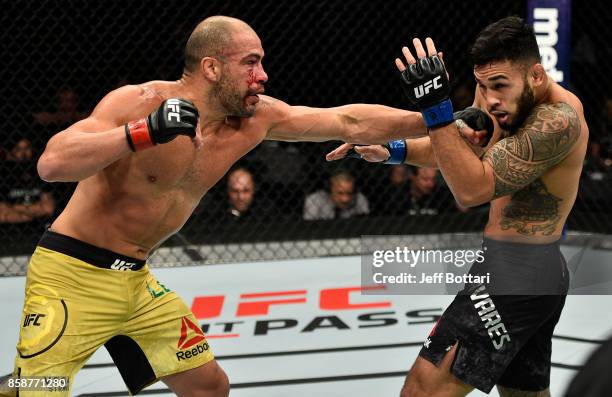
(504, 328)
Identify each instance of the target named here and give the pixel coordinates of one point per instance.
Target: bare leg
(427, 380)
(208, 380)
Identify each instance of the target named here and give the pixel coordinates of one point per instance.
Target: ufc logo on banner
(423, 89)
(175, 108)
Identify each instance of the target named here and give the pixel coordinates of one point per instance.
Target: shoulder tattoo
(546, 137)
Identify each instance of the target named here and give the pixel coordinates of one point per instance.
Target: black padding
(131, 361)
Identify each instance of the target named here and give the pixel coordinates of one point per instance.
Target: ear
(537, 75)
(210, 68)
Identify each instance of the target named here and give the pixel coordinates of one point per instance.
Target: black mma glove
(477, 119)
(426, 85)
(173, 117)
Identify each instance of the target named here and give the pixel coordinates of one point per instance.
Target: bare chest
(180, 166)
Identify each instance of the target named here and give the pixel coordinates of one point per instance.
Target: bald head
(210, 38)
(240, 189)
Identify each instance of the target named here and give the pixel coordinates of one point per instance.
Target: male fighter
(498, 334)
(140, 177)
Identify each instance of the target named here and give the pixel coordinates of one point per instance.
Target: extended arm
(358, 123)
(545, 139)
(477, 129)
(418, 152)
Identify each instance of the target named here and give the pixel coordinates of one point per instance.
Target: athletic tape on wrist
(137, 133)
(438, 115)
(397, 150)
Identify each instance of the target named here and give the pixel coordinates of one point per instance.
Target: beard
(229, 97)
(524, 106)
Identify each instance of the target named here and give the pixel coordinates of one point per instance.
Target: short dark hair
(341, 175)
(509, 39)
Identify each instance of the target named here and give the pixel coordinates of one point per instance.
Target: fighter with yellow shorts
(147, 329)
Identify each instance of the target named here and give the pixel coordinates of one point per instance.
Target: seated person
(26, 203)
(24, 196)
(416, 192)
(341, 201)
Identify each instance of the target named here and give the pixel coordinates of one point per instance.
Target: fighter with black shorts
(499, 333)
(504, 327)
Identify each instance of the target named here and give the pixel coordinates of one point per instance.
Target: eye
(499, 86)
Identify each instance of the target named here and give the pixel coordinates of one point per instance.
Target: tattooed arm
(546, 137)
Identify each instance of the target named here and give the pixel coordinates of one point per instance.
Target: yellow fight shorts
(79, 297)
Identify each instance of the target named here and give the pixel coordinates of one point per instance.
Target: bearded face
(231, 98)
(524, 105)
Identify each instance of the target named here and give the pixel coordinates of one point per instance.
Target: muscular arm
(420, 153)
(92, 144)
(545, 139)
(358, 123)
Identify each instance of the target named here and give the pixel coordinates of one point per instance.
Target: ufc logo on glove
(424, 88)
(175, 108)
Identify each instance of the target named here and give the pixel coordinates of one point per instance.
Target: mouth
(253, 97)
(502, 117)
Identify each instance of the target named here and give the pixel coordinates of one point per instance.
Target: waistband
(88, 253)
(520, 247)
(512, 253)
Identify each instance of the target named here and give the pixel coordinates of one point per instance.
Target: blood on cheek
(251, 77)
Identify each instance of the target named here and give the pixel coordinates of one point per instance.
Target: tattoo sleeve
(545, 139)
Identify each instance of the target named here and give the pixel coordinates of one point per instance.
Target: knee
(221, 386)
(413, 387)
(224, 386)
(411, 391)
(218, 386)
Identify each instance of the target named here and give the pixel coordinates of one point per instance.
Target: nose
(262, 76)
(492, 101)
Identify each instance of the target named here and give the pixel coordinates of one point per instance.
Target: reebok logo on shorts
(186, 342)
(493, 322)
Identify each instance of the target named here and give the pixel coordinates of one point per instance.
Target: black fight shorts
(504, 327)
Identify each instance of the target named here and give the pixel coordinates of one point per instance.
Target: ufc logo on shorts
(32, 319)
(175, 108)
(423, 89)
(122, 265)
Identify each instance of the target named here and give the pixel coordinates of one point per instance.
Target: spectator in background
(415, 191)
(66, 111)
(24, 197)
(428, 196)
(340, 201)
(240, 194)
